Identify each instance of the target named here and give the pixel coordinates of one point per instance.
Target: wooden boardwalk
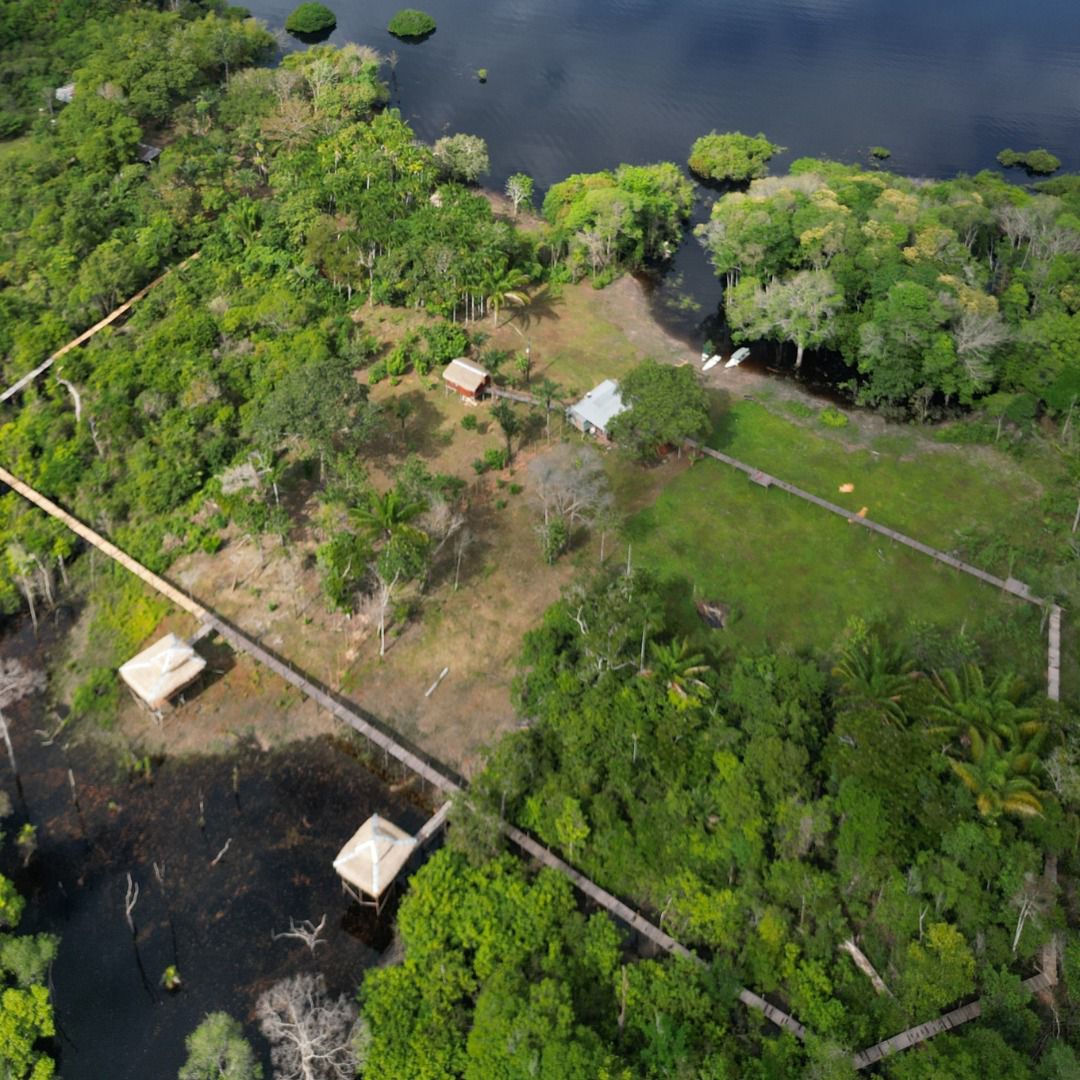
(921, 1032)
(350, 714)
(30, 376)
(429, 771)
(1053, 655)
(1009, 585)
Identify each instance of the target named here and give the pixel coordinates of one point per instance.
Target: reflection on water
(284, 813)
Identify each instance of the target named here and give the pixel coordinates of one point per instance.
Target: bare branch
(305, 931)
(311, 1035)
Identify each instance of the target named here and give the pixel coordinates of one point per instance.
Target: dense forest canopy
(933, 292)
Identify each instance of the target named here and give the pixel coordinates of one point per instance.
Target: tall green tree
(663, 406)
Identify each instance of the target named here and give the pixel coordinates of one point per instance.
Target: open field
(940, 495)
(792, 573)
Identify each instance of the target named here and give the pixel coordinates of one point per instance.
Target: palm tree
(875, 677)
(504, 283)
(388, 516)
(548, 392)
(966, 704)
(680, 671)
(1001, 778)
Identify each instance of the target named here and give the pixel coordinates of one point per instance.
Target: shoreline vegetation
(854, 749)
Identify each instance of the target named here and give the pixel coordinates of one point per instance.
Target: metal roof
(468, 376)
(599, 406)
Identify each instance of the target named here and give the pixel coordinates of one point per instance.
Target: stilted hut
(467, 379)
(162, 671)
(372, 858)
(595, 411)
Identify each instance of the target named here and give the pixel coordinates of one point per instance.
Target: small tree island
(410, 23)
(1036, 162)
(732, 156)
(310, 18)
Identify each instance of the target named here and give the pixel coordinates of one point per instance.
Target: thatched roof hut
(162, 670)
(372, 858)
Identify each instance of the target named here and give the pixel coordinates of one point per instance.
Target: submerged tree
(798, 309)
(732, 156)
(312, 1034)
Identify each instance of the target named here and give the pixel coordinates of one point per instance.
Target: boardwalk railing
(30, 376)
(921, 1032)
(1009, 585)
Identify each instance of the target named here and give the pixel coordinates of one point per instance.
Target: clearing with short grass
(794, 574)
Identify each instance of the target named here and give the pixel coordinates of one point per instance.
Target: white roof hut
(467, 379)
(597, 409)
(162, 670)
(372, 858)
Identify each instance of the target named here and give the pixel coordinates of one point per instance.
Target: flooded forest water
(284, 813)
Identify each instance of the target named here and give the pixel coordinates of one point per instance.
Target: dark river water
(284, 813)
(580, 85)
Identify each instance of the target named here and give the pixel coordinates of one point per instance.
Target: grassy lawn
(971, 501)
(794, 574)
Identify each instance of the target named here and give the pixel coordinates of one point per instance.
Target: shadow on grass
(721, 420)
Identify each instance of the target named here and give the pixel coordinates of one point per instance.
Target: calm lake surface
(580, 85)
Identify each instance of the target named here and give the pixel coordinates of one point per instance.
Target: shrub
(397, 363)
(11, 124)
(377, 372)
(410, 23)
(469, 422)
(493, 359)
(974, 431)
(733, 156)
(310, 18)
(1040, 161)
(516, 489)
(494, 458)
(880, 153)
(98, 697)
(554, 536)
(445, 341)
(833, 418)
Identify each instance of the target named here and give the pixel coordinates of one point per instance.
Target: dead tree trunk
(862, 962)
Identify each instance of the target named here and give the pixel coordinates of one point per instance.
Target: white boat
(737, 357)
(711, 362)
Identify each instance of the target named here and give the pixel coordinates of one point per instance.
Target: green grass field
(794, 573)
(938, 495)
